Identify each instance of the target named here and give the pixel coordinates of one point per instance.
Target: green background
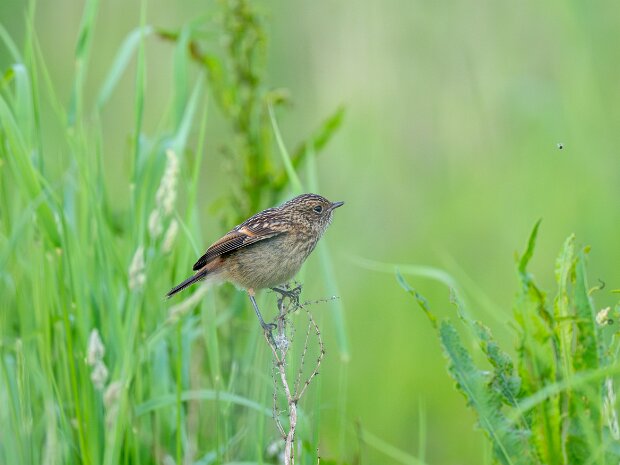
(447, 156)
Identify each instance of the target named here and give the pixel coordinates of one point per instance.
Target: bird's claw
(268, 329)
(291, 294)
(269, 326)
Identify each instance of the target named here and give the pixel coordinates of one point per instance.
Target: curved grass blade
(123, 57)
(286, 159)
(389, 450)
(202, 394)
(10, 45)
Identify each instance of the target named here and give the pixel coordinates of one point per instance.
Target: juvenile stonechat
(267, 249)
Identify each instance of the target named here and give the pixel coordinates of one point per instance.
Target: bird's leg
(266, 326)
(292, 294)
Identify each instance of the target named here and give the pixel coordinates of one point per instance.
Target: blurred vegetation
(120, 377)
(236, 82)
(454, 113)
(558, 405)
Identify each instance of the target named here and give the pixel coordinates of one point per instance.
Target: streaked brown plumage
(267, 249)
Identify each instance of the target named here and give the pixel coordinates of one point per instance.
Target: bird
(266, 250)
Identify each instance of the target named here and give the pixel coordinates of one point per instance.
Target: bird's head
(311, 211)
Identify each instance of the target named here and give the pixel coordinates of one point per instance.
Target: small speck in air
(560, 145)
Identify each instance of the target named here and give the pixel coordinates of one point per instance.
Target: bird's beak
(336, 205)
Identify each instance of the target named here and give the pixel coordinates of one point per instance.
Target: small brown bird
(267, 249)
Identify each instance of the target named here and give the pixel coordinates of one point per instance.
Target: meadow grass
(95, 366)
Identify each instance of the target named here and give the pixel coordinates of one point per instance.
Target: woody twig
(292, 389)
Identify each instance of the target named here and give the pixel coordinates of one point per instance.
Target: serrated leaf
(509, 443)
(504, 381)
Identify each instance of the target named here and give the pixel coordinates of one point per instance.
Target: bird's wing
(242, 236)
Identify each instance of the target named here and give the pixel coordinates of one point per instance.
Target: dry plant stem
(289, 438)
(292, 394)
(301, 363)
(318, 360)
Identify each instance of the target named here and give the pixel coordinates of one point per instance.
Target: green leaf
(584, 415)
(504, 381)
(536, 351)
(587, 354)
(486, 395)
(320, 138)
(422, 302)
(509, 444)
(529, 251)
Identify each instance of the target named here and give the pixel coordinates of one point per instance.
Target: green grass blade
(82, 55)
(10, 45)
(337, 313)
(181, 65)
(422, 302)
(286, 159)
(309, 148)
(389, 450)
(187, 119)
(121, 62)
(423, 271)
(202, 394)
(553, 389)
(327, 268)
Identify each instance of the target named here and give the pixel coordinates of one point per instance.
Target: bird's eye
(318, 209)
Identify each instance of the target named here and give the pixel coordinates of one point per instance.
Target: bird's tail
(188, 282)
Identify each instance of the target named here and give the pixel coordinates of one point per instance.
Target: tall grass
(555, 402)
(94, 366)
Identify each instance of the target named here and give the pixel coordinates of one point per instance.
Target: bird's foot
(292, 294)
(268, 329)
